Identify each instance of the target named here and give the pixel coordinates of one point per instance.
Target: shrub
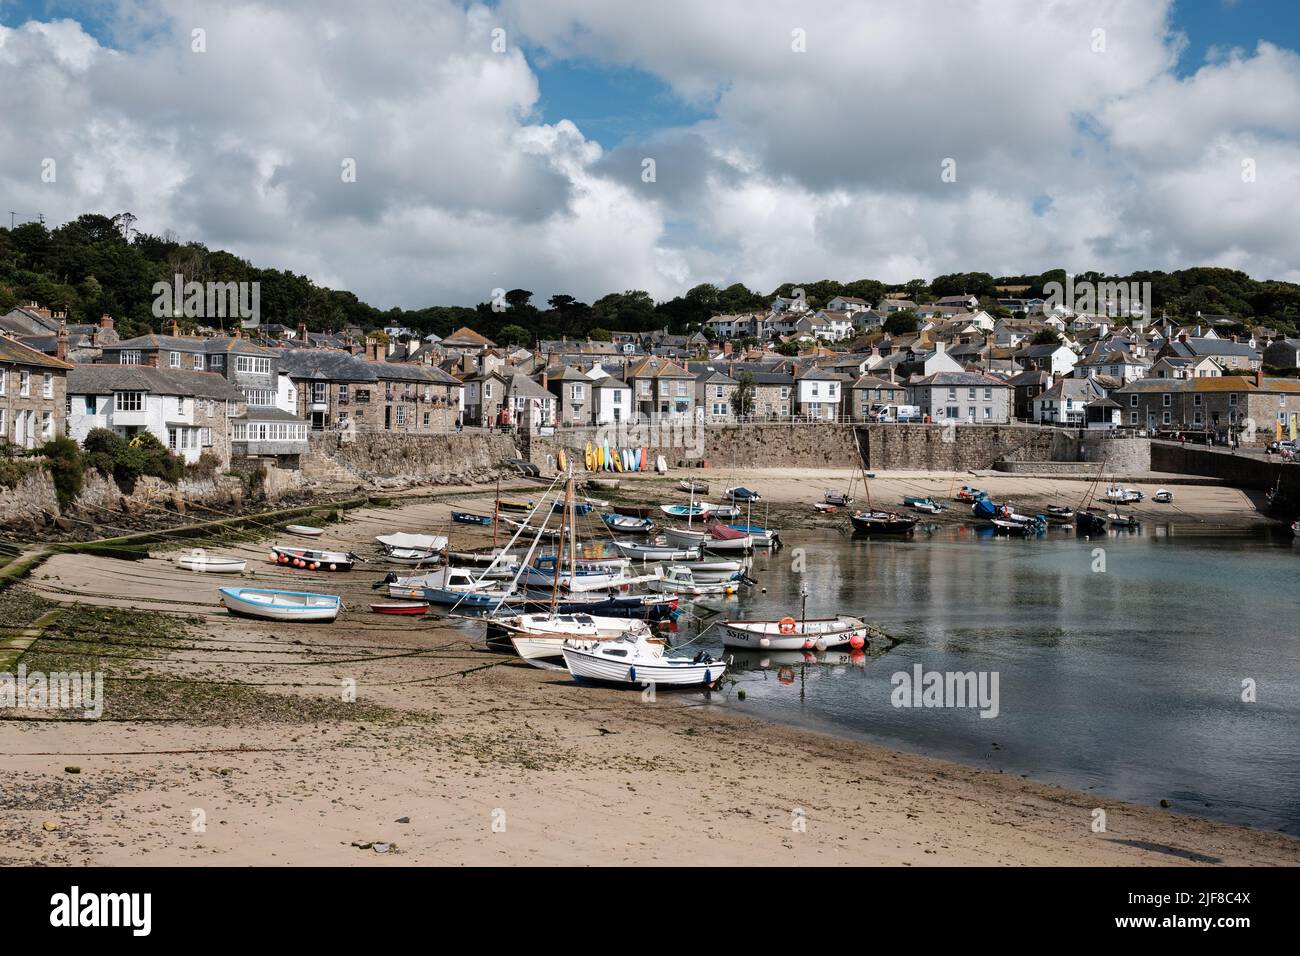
(67, 468)
(126, 461)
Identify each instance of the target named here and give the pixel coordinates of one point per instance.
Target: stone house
(340, 391)
(962, 397)
(530, 405)
(714, 392)
(1254, 408)
(574, 395)
(485, 399)
(32, 394)
(661, 390)
(870, 395)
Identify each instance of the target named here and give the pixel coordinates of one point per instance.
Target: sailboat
(879, 522)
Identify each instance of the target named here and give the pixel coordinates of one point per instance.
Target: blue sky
(617, 105)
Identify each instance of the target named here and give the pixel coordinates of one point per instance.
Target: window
(198, 363)
(217, 361)
(814, 389)
(1165, 419)
(988, 394)
(343, 393)
(1133, 400)
(971, 396)
(47, 385)
(261, 397)
(318, 393)
(24, 383)
(682, 389)
(205, 435)
(1168, 399)
(487, 389)
(1196, 400)
(171, 438)
(988, 412)
(4, 378)
(830, 389)
(47, 425)
(1133, 417)
(719, 391)
(401, 414)
(426, 419)
(130, 401)
(1232, 398)
(180, 404)
(952, 395)
(579, 393)
(92, 404)
(131, 357)
(174, 359)
(951, 411)
(3, 433)
(252, 363)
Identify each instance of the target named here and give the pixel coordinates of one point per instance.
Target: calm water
(1126, 682)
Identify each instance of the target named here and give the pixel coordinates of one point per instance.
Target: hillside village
(262, 393)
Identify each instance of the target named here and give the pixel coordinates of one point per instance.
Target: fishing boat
(448, 586)
(312, 559)
(721, 537)
(693, 487)
(1163, 497)
(1118, 494)
(680, 580)
(969, 493)
(837, 500)
(763, 537)
(788, 634)
(468, 517)
(699, 509)
(275, 605)
(882, 522)
(825, 508)
(410, 549)
(579, 507)
(401, 607)
(740, 493)
(1059, 515)
(654, 552)
(1087, 522)
(1118, 520)
(922, 503)
(303, 530)
(638, 661)
(634, 511)
(716, 569)
(576, 575)
(196, 559)
(540, 636)
(628, 525)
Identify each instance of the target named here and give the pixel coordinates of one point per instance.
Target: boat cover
(423, 542)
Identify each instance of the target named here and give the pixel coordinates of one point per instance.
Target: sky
(572, 147)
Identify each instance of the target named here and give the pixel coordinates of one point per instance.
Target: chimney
(302, 331)
(1259, 378)
(726, 347)
(61, 343)
(106, 322)
(239, 331)
(375, 351)
(1182, 337)
(546, 377)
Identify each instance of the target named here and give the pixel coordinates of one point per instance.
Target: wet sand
(491, 761)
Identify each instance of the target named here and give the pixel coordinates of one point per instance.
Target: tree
(513, 335)
(517, 299)
(742, 399)
(1046, 336)
(600, 335)
(902, 322)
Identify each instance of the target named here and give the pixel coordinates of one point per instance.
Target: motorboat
(540, 636)
(312, 559)
(763, 537)
(638, 661)
(791, 634)
(1163, 497)
(680, 580)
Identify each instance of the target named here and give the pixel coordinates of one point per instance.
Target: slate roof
(17, 353)
(104, 379)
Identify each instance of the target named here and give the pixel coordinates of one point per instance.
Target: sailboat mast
(573, 536)
(496, 514)
(559, 550)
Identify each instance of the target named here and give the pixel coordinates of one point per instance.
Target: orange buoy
(787, 625)
(857, 641)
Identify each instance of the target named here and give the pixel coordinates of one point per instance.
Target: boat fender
(315, 566)
(631, 674)
(764, 642)
(787, 625)
(820, 644)
(708, 676)
(333, 568)
(807, 644)
(273, 557)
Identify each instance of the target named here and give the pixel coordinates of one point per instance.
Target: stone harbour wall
(907, 447)
(381, 459)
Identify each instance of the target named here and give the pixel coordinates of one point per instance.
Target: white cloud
(817, 164)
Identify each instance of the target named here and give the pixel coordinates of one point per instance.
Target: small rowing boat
(693, 487)
(655, 552)
(629, 525)
(275, 605)
(882, 522)
(304, 530)
(199, 560)
(788, 634)
(468, 517)
(401, 607)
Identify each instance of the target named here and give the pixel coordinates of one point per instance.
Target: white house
(188, 411)
(847, 303)
(612, 400)
(819, 394)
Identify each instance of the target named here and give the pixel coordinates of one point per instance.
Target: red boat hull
(399, 608)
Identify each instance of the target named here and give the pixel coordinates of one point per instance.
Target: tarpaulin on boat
(984, 508)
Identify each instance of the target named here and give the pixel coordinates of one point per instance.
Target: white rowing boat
(274, 605)
(638, 661)
(199, 560)
(304, 530)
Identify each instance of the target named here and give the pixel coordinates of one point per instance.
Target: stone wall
(399, 459)
(29, 499)
(904, 447)
(1244, 471)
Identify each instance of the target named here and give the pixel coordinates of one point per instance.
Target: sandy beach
(226, 740)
